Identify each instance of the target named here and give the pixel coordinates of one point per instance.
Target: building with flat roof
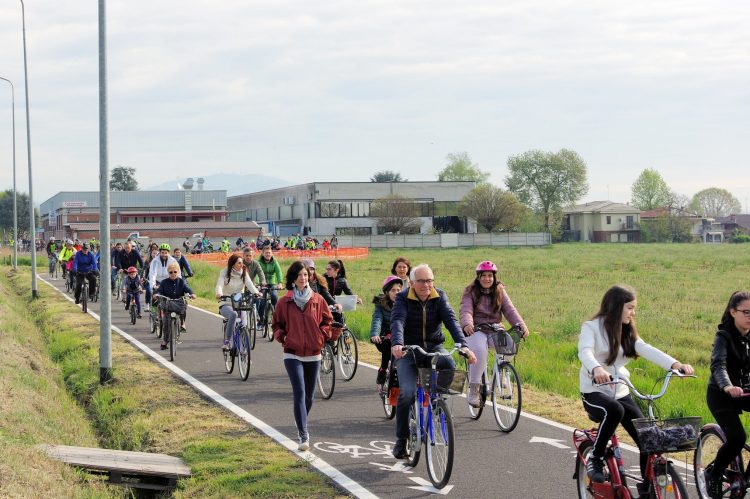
(343, 208)
(602, 221)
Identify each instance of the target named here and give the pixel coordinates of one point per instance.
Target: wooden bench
(142, 470)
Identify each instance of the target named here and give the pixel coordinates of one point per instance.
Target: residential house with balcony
(602, 222)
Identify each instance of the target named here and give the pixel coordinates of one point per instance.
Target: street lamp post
(15, 205)
(32, 225)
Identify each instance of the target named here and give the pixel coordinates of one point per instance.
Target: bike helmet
(165, 246)
(486, 266)
(85, 246)
(310, 264)
(390, 281)
(132, 269)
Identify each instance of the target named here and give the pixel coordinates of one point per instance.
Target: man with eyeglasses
(416, 319)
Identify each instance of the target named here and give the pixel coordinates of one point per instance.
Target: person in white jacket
(607, 342)
(232, 279)
(157, 271)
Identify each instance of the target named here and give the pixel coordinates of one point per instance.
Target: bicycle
(84, 296)
(267, 315)
(68, 276)
(327, 373)
(345, 348)
(505, 384)
(154, 318)
(240, 341)
(735, 480)
(171, 308)
(116, 291)
(389, 390)
(430, 420)
(98, 287)
(656, 437)
(132, 306)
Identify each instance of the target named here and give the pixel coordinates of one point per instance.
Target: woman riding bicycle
(380, 328)
(606, 344)
(484, 301)
(232, 279)
(175, 287)
(730, 376)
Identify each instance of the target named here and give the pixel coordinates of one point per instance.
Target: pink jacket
(483, 312)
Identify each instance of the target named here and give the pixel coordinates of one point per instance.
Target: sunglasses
(173, 272)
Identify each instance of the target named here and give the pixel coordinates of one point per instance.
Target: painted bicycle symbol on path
(376, 448)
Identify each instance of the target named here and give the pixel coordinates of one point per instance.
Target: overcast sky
(336, 90)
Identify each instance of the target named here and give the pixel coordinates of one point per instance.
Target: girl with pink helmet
(380, 328)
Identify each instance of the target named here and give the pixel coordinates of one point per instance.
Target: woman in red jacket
(301, 323)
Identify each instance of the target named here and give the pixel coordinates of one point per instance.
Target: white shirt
(593, 350)
(236, 285)
(157, 271)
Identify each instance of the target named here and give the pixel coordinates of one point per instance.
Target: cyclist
(232, 279)
(302, 324)
(132, 285)
(158, 267)
(401, 267)
(274, 277)
(52, 255)
(336, 279)
(607, 342)
(416, 317)
(115, 257)
(730, 377)
(66, 257)
(318, 284)
(150, 257)
(484, 301)
(225, 245)
(84, 262)
(185, 269)
(380, 328)
(175, 287)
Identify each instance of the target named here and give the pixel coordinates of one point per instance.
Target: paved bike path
(350, 431)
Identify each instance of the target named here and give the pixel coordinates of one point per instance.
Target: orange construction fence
(218, 258)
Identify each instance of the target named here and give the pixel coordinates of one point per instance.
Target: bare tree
(396, 214)
(492, 207)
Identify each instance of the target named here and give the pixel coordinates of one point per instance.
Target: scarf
(302, 297)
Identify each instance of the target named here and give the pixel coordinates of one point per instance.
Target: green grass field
(682, 291)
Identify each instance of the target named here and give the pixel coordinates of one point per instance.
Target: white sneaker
(304, 445)
(473, 396)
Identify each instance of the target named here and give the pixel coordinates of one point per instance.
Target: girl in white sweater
(233, 279)
(608, 342)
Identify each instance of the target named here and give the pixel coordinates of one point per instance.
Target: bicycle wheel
(348, 354)
(414, 442)
(440, 444)
(267, 320)
(668, 483)
(583, 482)
(173, 329)
(243, 353)
(327, 372)
(85, 296)
(506, 397)
(251, 326)
(151, 319)
(229, 359)
(385, 393)
(476, 412)
(709, 441)
(132, 312)
(159, 323)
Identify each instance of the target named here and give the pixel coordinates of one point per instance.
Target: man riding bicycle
(158, 271)
(272, 270)
(85, 267)
(52, 255)
(415, 320)
(115, 263)
(66, 257)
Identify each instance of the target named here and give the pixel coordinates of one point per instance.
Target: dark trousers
(303, 376)
(384, 347)
(726, 411)
(92, 284)
(406, 367)
(136, 297)
(610, 412)
(274, 299)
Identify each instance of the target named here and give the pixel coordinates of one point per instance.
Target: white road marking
(426, 486)
(554, 442)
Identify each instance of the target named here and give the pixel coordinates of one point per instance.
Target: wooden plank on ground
(144, 463)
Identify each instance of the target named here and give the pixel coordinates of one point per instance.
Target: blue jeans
(274, 299)
(136, 297)
(406, 367)
(114, 275)
(303, 376)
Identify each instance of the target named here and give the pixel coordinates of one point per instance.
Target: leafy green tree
(650, 191)
(122, 178)
(396, 214)
(461, 168)
(715, 202)
(547, 181)
(387, 176)
(22, 210)
(492, 207)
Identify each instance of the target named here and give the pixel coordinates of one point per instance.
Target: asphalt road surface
(352, 435)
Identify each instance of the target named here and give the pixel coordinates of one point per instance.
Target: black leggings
(610, 412)
(384, 347)
(726, 411)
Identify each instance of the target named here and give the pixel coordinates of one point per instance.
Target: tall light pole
(15, 205)
(32, 225)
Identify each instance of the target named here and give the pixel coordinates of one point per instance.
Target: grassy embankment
(144, 409)
(682, 291)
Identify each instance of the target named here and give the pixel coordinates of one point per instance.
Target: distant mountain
(234, 183)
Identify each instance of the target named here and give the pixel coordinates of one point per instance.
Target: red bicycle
(656, 436)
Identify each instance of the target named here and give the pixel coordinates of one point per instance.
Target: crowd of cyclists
(411, 310)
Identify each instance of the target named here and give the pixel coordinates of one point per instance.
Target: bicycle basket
(667, 435)
(505, 343)
(178, 306)
(450, 381)
(244, 303)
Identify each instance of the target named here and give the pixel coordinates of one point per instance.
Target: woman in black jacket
(336, 279)
(730, 377)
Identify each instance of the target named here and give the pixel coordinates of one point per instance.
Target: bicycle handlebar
(625, 381)
(416, 348)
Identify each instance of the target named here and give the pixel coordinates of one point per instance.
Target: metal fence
(446, 240)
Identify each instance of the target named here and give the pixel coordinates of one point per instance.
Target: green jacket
(272, 270)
